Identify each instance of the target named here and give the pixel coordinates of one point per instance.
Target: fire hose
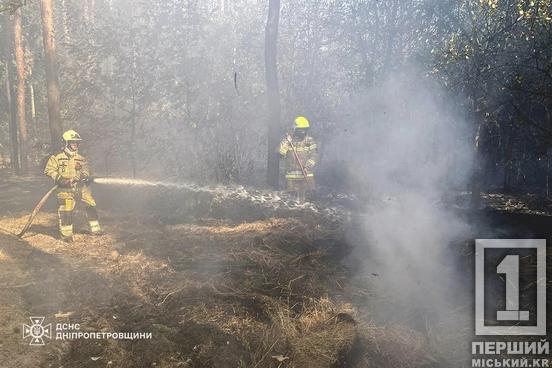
(36, 210)
(40, 203)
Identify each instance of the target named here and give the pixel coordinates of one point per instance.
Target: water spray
(262, 198)
(269, 199)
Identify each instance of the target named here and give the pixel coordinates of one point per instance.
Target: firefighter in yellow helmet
(70, 171)
(300, 153)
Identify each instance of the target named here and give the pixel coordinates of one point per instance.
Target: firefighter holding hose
(71, 173)
(300, 153)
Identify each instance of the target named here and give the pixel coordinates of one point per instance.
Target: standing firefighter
(71, 173)
(300, 154)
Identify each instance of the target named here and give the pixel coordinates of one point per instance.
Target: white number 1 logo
(510, 267)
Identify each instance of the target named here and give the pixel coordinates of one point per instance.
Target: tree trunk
(54, 115)
(33, 99)
(92, 11)
(548, 173)
(89, 8)
(133, 135)
(14, 152)
(133, 89)
(85, 11)
(64, 22)
(12, 122)
(20, 66)
(273, 92)
(477, 171)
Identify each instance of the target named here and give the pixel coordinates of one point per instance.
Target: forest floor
(274, 291)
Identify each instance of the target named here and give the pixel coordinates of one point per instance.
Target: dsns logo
(36, 331)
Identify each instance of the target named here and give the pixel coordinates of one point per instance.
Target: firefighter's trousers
(300, 188)
(66, 200)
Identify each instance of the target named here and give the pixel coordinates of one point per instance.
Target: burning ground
(213, 292)
(278, 289)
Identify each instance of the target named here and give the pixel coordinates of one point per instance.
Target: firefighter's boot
(93, 222)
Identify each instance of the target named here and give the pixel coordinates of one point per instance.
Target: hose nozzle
(88, 180)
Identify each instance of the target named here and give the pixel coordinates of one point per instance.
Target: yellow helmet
(71, 135)
(301, 122)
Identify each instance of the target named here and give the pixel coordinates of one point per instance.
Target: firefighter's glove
(87, 180)
(64, 183)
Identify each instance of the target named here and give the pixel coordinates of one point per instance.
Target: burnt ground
(213, 290)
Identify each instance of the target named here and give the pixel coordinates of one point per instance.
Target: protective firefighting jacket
(307, 152)
(67, 165)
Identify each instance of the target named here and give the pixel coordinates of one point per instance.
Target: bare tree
(64, 22)
(273, 91)
(12, 119)
(52, 82)
(14, 153)
(30, 66)
(20, 66)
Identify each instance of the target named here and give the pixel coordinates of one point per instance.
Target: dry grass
(3, 256)
(221, 228)
(213, 293)
(321, 333)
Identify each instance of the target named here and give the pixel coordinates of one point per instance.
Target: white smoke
(410, 151)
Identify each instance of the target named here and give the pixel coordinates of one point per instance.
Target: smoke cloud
(409, 153)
